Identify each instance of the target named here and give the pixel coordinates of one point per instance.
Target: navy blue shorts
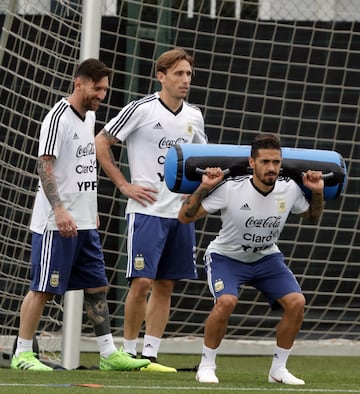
(270, 275)
(160, 248)
(59, 264)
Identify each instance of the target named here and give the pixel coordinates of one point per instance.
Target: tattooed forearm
(45, 171)
(193, 202)
(316, 207)
(110, 139)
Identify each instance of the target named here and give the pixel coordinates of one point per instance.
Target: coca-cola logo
(87, 150)
(166, 143)
(269, 222)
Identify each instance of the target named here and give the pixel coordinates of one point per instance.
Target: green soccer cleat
(121, 361)
(28, 361)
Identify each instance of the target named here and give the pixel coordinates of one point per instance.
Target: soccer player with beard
(66, 251)
(254, 209)
(161, 250)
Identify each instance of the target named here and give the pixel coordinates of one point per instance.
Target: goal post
(266, 65)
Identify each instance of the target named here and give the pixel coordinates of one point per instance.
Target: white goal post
(281, 66)
(73, 300)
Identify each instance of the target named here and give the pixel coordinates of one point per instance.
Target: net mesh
(279, 66)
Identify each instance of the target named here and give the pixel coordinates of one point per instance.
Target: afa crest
(219, 285)
(139, 262)
(281, 205)
(54, 279)
(189, 129)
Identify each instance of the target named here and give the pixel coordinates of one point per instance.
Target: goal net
(279, 66)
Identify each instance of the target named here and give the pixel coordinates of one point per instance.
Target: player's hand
(313, 181)
(142, 194)
(65, 222)
(212, 176)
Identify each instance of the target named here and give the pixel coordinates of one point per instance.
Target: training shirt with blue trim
(70, 139)
(251, 221)
(149, 129)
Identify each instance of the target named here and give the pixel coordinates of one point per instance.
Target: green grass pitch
(236, 374)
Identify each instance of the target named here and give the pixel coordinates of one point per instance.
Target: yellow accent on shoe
(121, 361)
(28, 361)
(156, 367)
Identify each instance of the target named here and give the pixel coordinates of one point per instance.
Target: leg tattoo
(97, 311)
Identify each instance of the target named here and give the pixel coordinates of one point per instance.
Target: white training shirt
(150, 129)
(251, 221)
(70, 139)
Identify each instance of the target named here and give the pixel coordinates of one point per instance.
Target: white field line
(179, 388)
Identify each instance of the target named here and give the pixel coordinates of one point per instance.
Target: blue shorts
(270, 275)
(59, 264)
(160, 248)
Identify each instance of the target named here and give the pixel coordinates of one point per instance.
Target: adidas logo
(148, 346)
(158, 126)
(75, 137)
(245, 207)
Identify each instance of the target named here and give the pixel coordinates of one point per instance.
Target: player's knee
(299, 303)
(40, 297)
(294, 304)
(226, 304)
(141, 287)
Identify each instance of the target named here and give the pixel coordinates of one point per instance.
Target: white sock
(208, 357)
(106, 345)
(279, 358)
(23, 345)
(151, 346)
(130, 346)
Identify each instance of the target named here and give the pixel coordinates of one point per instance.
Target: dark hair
(265, 141)
(93, 69)
(169, 58)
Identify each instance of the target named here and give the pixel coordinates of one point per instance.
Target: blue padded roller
(183, 161)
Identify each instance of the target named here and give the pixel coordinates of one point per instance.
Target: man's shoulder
(57, 110)
(192, 106)
(286, 182)
(233, 182)
(144, 99)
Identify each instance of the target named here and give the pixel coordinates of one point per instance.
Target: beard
(92, 104)
(267, 181)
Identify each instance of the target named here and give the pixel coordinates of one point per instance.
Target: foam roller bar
(183, 161)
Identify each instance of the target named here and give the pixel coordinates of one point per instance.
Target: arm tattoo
(112, 140)
(108, 136)
(45, 171)
(194, 205)
(316, 206)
